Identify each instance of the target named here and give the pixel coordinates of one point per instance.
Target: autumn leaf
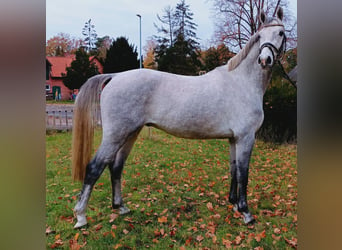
(125, 231)
(164, 211)
(292, 242)
(227, 243)
(199, 238)
(49, 231)
(113, 217)
(76, 236)
(57, 243)
(258, 237)
(210, 206)
(237, 240)
(97, 227)
(117, 246)
(188, 241)
(162, 219)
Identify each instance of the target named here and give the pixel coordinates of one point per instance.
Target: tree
(102, 46)
(90, 36)
(177, 48)
(180, 59)
(185, 27)
(62, 45)
(150, 60)
(167, 27)
(237, 20)
(121, 56)
(216, 56)
(79, 71)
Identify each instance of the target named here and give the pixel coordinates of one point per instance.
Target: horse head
(272, 39)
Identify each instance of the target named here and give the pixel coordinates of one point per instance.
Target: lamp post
(140, 39)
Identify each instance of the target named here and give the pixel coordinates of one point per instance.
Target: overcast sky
(118, 17)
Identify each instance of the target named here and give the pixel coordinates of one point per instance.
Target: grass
(60, 102)
(177, 191)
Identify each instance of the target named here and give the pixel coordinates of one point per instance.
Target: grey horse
(226, 102)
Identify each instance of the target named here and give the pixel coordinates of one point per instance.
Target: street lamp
(140, 40)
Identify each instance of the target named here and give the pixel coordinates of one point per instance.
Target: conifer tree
(121, 56)
(178, 51)
(79, 71)
(90, 36)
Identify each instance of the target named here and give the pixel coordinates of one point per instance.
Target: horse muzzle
(265, 62)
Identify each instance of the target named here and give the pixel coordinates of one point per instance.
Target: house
(55, 68)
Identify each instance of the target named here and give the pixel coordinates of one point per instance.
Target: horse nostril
(268, 61)
(259, 61)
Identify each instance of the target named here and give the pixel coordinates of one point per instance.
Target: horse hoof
(81, 221)
(123, 210)
(248, 218)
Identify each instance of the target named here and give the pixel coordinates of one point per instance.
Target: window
(47, 87)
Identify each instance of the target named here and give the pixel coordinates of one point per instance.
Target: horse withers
(227, 102)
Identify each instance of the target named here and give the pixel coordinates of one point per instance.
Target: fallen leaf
(164, 211)
(210, 206)
(237, 240)
(162, 219)
(227, 243)
(199, 238)
(98, 227)
(188, 241)
(57, 243)
(76, 236)
(113, 217)
(125, 231)
(49, 231)
(117, 246)
(292, 242)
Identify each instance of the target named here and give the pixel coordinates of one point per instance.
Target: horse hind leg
(94, 170)
(116, 172)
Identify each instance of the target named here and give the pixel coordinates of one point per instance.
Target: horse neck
(253, 73)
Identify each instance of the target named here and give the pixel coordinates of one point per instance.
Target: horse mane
(237, 59)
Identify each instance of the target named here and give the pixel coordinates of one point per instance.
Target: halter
(271, 46)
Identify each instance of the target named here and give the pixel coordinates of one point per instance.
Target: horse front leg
(244, 147)
(233, 185)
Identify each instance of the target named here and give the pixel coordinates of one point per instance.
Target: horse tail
(85, 109)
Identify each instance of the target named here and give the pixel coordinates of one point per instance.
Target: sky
(117, 18)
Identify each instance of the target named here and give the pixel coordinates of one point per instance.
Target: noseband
(273, 48)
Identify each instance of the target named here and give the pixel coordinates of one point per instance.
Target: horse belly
(192, 128)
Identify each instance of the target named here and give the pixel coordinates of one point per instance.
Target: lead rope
(285, 75)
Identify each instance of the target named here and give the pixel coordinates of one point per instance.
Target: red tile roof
(59, 64)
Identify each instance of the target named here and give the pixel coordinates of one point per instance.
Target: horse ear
(262, 17)
(280, 13)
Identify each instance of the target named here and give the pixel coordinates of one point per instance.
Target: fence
(61, 119)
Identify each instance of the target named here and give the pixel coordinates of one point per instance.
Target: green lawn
(177, 191)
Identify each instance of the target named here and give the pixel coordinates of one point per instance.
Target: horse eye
(281, 33)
